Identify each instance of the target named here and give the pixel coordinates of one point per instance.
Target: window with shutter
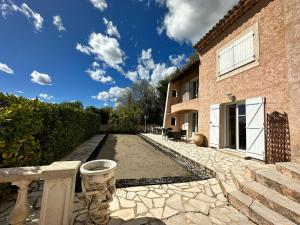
(237, 54)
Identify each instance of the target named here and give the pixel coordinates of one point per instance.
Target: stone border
(124, 183)
(96, 151)
(192, 166)
(91, 156)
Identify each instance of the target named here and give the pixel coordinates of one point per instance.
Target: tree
(103, 112)
(73, 104)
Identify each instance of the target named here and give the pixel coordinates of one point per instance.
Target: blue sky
(91, 50)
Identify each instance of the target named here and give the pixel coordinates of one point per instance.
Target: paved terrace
(193, 203)
(213, 162)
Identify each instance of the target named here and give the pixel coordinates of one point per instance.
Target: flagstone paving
(214, 162)
(199, 202)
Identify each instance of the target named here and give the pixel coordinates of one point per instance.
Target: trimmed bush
(36, 133)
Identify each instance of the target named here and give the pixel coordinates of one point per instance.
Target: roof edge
(231, 16)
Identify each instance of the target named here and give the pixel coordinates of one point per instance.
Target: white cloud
(83, 49)
(146, 59)
(104, 48)
(160, 72)
(111, 29)
(132, 75)
(45, 96)
(147, 69)
(112, 94)
(8, 7)
(20, 92)
(99, 75)
(177, 60)
(57, 22)
(95, 65)
(188, 21)
(40, 78)
(99, 4)
(6, 69)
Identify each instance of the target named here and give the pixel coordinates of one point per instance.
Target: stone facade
(276, 77)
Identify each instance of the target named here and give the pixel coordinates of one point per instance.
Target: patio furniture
(183, 134)
(175, 135)
(164, 133)
(156, 130)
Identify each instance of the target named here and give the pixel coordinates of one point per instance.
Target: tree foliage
(37, 133)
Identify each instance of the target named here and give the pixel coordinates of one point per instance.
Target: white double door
(254, 127)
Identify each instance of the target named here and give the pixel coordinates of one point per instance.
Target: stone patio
(211, 161)
(199, 202)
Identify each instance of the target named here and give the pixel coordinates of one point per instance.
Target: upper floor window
(194, 89)
(174, 93)
(237, 54)
(173, 121)
(190, 90)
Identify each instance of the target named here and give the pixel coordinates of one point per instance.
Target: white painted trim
(166, 106)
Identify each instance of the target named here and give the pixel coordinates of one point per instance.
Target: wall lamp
(231, 96)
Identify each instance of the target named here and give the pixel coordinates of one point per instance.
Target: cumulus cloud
(9, 7)
(132, 75)
(99, 75)
(40, 78)
(111, 29)
(99, 4)
(45, 96)
(6, 69)
(57, 22)
(160, 72)
(111, 95)
(188, 21)
(147, 69)
(104, 48)
(177, 60)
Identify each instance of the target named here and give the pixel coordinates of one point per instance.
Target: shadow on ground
(139, 221)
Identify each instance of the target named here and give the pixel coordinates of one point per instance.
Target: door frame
(226, 127)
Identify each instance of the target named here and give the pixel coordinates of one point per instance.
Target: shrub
(37, 133)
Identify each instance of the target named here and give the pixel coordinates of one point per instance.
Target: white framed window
(237, 54)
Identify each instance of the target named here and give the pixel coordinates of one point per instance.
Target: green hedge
(37, 133)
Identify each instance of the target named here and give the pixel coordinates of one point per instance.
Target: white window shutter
(243, 50)
(214, 135)
(255, 130)
(226, 62)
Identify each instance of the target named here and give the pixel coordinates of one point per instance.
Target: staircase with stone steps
(268, 194)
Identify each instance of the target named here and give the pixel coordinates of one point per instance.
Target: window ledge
(238, 70)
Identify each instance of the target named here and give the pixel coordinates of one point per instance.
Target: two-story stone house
(249, 68)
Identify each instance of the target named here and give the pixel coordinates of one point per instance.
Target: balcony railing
(58, 193)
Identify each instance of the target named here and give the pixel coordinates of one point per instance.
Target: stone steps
(289, 169)
(256, 211)
(276, 181)
(272, 199)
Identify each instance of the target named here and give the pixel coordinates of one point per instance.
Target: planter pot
(198, 139)
(98, 186)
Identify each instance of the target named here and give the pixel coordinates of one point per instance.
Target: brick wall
(269, 79)
(292, 38)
